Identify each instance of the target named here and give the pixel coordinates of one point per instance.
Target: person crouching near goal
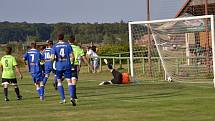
(8, 64)
(117, 76)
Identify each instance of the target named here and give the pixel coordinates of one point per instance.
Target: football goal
(181, 49)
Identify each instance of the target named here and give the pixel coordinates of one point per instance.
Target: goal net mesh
(180, 50)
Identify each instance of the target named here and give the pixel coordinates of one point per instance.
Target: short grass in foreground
(157, 101)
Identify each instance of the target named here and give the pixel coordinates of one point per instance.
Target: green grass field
(157, 101)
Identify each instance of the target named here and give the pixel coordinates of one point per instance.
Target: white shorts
(95, 63)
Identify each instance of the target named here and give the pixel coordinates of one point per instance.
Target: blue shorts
(66, 73)
(37, 77)
(48, 70)
(75, 72)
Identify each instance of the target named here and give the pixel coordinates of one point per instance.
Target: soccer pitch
(157, 101)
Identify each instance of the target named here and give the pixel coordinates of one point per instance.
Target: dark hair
(8, 50)
(28, 47)
(110, 66)
(42, 47)
(94, 48)
(60, 36)
(71, 39)
(33, 45)
(49, 42)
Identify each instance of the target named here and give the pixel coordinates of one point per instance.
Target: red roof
(182, 8)
(197, 5)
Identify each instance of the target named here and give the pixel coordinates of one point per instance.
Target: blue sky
(78, 11)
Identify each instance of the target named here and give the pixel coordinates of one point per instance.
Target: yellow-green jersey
(78, 52)
(8, 63)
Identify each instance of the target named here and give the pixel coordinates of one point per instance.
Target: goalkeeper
(117, 76)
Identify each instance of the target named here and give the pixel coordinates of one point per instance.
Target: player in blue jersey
(62, 53)
(48, 64)
(32, 59)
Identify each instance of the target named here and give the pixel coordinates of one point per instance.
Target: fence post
(113, 62)
(177, 68)
(159, 65)
(100, 64)
(88, 68)
(143, 63)
(128, 65)
(120, 61)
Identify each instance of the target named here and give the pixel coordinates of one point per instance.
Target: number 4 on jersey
(62, 53)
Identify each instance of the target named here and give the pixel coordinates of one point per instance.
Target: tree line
(108, 33)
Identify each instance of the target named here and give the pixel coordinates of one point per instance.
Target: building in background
(198, 8)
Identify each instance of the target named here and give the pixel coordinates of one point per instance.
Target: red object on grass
(125, 78)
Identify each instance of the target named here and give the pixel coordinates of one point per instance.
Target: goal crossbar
(174, 19)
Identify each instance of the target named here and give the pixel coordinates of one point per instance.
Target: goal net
(179, 49)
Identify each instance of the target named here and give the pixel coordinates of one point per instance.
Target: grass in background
(157, 101)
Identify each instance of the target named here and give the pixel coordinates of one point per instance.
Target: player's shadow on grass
(156, 86)
(135, 97)
(25, 84)
(98, 87)
(89, 94)
(132, 98)
(105, 89)
(37, 97)
(156, 95)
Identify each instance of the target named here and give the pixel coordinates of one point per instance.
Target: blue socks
(72, 91)
(61, 91)
(45, 79)
(42, 91)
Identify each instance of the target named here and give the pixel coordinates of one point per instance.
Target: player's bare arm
(19, 72)
(1, 67)
(87, 62)
(72, 57)
(25, 62)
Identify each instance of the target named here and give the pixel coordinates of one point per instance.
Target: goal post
(213, 45)
(131, 54)
(184, 48)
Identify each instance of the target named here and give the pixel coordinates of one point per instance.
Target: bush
(112, 50)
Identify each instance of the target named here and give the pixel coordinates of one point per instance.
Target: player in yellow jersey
(78, 54)
(8, 66)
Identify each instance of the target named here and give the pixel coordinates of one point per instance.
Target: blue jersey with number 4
(33, 58)
(62, 51)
